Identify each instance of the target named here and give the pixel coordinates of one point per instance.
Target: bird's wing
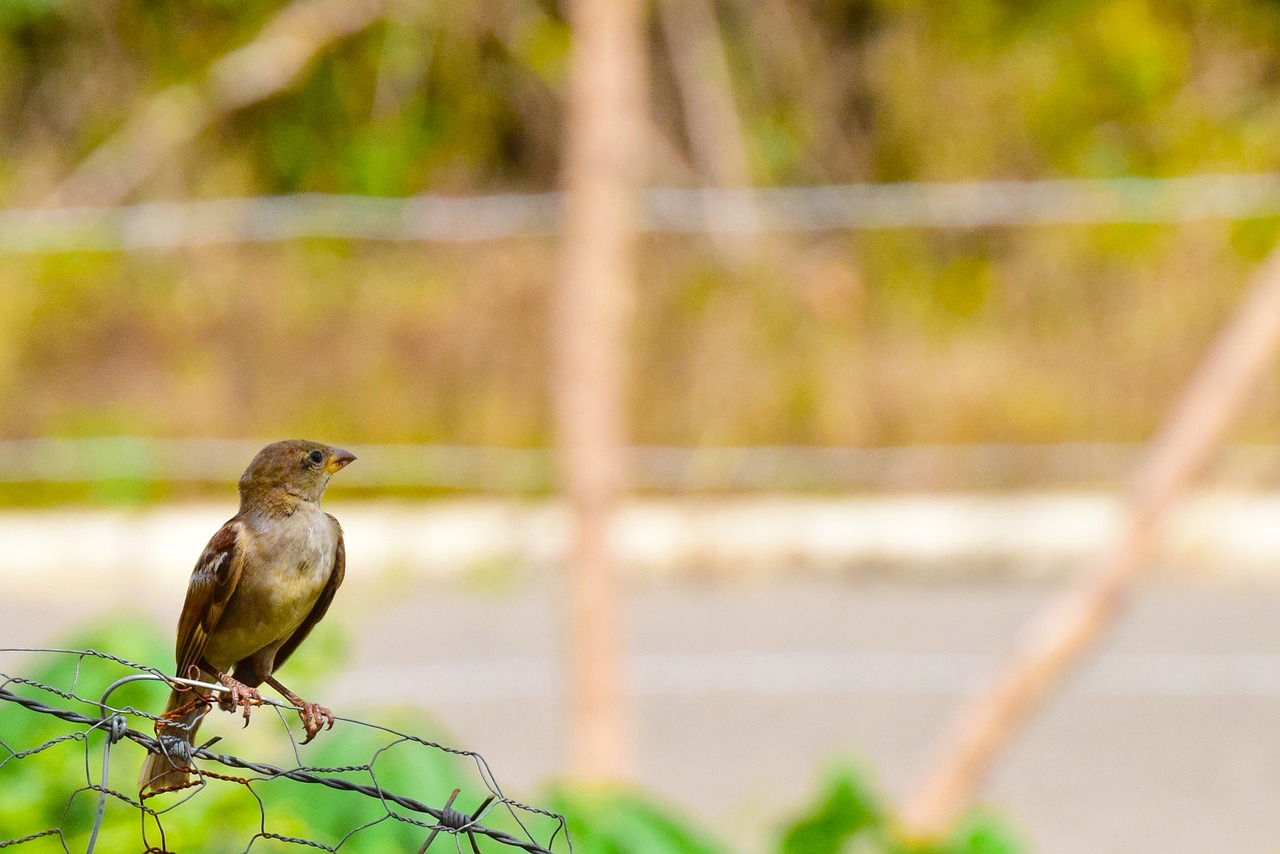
(322, 602)
(212, 582)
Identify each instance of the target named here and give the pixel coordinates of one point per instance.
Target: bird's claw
(239, 695)
(314, 718)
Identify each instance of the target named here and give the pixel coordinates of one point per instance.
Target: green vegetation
(464, 97)
(879, 338)
(222, 817)
(846, 817)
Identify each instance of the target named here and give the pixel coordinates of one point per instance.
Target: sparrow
(260, 586)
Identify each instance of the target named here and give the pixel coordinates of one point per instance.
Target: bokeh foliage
(463, 97)
(1003, 334)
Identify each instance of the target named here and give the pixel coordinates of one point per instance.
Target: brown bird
(261, 585)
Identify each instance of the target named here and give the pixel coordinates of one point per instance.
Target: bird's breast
(287, 565)
(292, 560)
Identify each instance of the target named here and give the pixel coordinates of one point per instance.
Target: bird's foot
(239, 695)
(315, 717)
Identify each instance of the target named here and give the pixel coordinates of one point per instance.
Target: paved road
(1170, 741)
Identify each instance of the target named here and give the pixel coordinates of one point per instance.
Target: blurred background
(910, 287)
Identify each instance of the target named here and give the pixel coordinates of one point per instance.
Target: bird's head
(294, 469)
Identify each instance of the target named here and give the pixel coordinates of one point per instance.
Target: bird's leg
(238, 694)
(314, 716)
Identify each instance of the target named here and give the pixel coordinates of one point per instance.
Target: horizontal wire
(667, 210)
(478, 467)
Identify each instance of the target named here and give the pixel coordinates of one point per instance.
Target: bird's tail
(176, 731)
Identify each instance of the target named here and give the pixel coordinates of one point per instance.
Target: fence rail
(667, 210)
(655, 468)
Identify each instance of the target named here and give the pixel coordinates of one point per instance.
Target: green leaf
(848, 808)
(620, 821)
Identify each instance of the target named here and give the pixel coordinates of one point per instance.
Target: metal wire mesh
(68, 786)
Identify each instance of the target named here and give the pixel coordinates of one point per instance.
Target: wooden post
(602, 171)
(1072, 626)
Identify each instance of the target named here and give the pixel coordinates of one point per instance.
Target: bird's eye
(315, 457)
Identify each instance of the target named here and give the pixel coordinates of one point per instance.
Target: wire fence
(669, 469)
(65, 780)
(667, 210)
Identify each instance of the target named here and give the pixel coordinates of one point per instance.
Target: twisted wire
(113, 723)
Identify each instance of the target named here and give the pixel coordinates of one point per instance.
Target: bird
(262, 583)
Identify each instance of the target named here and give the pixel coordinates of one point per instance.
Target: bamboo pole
(602, 173)
(1069, 629)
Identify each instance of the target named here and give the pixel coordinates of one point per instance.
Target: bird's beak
(338, 460)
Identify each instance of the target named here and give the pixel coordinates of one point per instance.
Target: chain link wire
(95, 728)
